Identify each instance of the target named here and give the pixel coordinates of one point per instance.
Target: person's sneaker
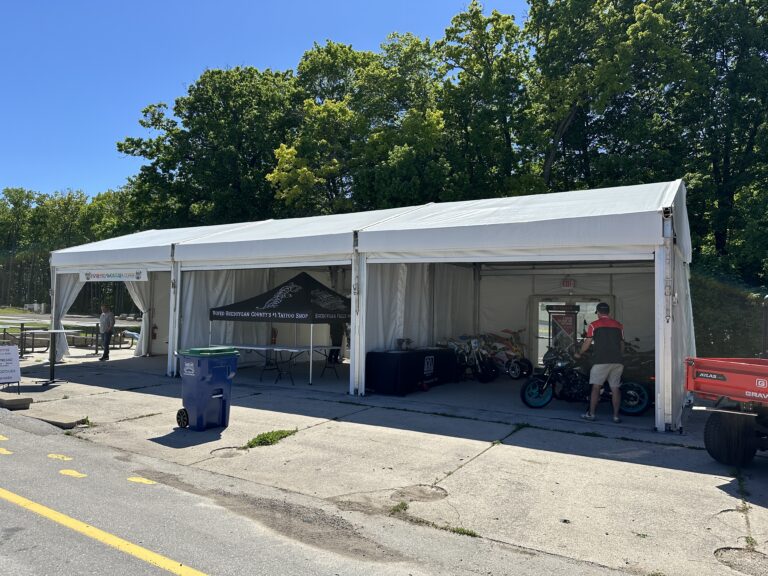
(616, 419)
(588, 416)
(102, 359)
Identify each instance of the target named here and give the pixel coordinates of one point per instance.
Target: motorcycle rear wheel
(536, 393)
(635, 399)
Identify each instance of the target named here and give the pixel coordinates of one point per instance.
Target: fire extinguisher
(154, 331)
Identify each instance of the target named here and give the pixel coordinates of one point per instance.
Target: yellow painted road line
(3, 438)
(104, 537)
(73, 473)
(140, 480)
(5, 452)
(60, 457)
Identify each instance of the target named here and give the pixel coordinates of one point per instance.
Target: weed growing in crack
(399, 508)
(269, 438)
(462, 531)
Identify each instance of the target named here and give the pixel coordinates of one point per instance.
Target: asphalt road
(68, 506)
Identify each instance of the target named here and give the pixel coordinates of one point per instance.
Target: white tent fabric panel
(504, 303)
(567, 219)
(141, 294)
(132, 249)
(634, 307)
(681, 224)
(417, 316)
(454, 300)
(399, 305)
(161, 307)
(641, 230)
(66, 287)
(200, 291)
(248, 283)
(683, 339)
(323, 237)
(514, 254)
(384, 306)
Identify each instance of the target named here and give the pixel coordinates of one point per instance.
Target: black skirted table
(401, 372)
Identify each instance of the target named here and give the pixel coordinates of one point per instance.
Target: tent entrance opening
(561, 323)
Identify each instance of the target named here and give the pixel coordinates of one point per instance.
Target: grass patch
(399, 508)
(14, 312)
(269, 438)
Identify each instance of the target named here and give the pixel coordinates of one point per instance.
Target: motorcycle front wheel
(536, 392)
(634, 399)
(514, 369)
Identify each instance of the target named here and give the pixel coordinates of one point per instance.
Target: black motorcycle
(563, 380)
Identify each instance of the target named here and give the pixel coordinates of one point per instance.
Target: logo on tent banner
(139, 275)
(761, 383)
(328, 300)
(284, 293)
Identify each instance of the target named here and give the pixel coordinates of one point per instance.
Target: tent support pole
(663, 315)
(173, 316)
(476, 311)
(311, 350)
(357, 324)
(210, 330)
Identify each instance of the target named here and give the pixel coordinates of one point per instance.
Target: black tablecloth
(400, 372)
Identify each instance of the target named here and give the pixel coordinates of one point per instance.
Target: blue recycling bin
(206, 386)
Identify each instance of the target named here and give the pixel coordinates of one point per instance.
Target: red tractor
(737, 426)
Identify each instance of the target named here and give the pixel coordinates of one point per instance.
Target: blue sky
(76, 74)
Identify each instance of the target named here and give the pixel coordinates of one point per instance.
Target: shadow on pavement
(184, 438)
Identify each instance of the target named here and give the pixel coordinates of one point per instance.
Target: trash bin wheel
(182, 418)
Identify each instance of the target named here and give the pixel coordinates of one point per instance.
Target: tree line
(580, 95)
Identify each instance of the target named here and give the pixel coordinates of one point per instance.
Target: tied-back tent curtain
(141, 294)
(68, 286)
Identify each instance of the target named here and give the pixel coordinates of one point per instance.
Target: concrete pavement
(464, 457)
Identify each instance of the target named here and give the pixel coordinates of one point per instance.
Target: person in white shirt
(106, 327)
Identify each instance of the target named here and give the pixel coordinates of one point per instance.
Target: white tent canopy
(418, 270)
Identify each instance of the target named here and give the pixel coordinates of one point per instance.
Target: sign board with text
(9, 364)
(137, 275)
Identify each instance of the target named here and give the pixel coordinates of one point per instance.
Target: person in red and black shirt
(608, 336)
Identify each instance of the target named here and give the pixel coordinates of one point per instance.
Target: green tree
(312, 175)
(208, 163)
(722, 108)
(485, 103)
